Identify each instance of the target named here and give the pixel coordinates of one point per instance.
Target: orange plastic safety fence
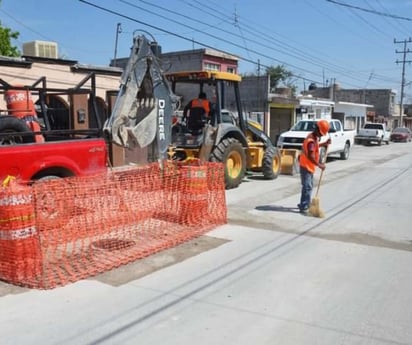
(62, 230)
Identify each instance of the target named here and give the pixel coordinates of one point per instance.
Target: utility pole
(403, 61)
(118, 31)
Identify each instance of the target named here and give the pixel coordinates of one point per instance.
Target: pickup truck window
(338, 126)
(306, 126)
(373, 126)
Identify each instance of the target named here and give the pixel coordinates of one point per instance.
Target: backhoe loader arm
(145, 103)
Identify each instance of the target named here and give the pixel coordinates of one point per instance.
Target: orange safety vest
(201, 103)
(304, 160)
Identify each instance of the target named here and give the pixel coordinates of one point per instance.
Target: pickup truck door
(337, 136)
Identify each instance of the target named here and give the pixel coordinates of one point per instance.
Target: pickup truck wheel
(11, 124)
(345, 153)
(271, 163)
(230, 152)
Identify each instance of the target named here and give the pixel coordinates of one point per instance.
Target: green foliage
(6, 46)
(279, 76)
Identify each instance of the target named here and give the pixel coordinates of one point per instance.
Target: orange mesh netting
(63, 230)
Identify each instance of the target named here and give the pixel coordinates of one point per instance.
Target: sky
(355, 43)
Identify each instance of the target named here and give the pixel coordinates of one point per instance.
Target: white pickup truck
(373, 133)
(341, 139)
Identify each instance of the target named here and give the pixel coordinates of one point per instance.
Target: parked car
(373, 133)
(401, 134)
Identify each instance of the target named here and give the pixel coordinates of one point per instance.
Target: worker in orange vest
(197, 111)
(308, 161)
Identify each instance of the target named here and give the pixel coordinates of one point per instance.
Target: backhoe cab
(240, 144)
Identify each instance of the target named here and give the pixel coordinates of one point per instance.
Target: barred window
(211, 66)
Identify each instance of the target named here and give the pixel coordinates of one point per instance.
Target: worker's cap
(323, 127)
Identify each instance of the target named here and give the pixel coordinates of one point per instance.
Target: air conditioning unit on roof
(44, 49)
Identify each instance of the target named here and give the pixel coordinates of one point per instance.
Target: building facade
(382, 101)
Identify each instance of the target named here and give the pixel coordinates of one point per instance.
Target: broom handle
(320, 179)
(321, 174)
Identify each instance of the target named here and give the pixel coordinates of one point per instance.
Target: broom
(314, 208)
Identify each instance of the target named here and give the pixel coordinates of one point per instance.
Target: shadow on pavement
(277, 208)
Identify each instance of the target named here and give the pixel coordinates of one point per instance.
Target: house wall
(382, 100)
(195, 60)
(57, 76)
(254, 92)
(281, 118)
(354, 115)
(183, 61)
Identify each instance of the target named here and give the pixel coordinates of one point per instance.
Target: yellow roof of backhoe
(194, 76)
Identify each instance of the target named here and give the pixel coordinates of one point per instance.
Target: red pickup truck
(65, 158)
(52, 137)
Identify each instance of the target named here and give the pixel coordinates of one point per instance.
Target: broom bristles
(314, 208)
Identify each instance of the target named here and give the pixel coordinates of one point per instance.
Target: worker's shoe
(302, 210)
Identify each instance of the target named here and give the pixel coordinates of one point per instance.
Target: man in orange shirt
(309, 160)
(197, 112)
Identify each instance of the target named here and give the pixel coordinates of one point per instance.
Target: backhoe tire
(271, 163)
(11, 124)
(231, 153)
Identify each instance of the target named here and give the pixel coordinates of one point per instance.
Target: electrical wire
(244, 29)
(306, 56)
(370, 11)
(262, 44)
(354, 75)
(188, 39)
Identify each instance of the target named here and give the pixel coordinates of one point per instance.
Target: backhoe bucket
(289, 164)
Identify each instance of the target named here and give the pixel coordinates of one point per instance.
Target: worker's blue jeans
(306, 179)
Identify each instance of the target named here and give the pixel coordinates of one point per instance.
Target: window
(231, 70)
(337, 126)
(211, 66)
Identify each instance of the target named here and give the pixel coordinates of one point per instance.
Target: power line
(349, 74)
(306, 56)
(222, 30)
(369, 11)
(185, 38)
(296, 52)
(400, 26)
(24, 25)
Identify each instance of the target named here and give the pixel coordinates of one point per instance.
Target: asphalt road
(270, 276)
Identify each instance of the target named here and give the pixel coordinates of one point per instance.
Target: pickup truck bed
(76, 157)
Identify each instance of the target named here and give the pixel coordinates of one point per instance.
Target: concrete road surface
(270, 276)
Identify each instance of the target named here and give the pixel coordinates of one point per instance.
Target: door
(280, 121)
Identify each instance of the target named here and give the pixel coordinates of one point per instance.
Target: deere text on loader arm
(144, 106)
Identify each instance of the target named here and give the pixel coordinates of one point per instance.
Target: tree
(279, 76)
(6, 36)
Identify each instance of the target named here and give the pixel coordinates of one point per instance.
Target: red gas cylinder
(20, 103)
